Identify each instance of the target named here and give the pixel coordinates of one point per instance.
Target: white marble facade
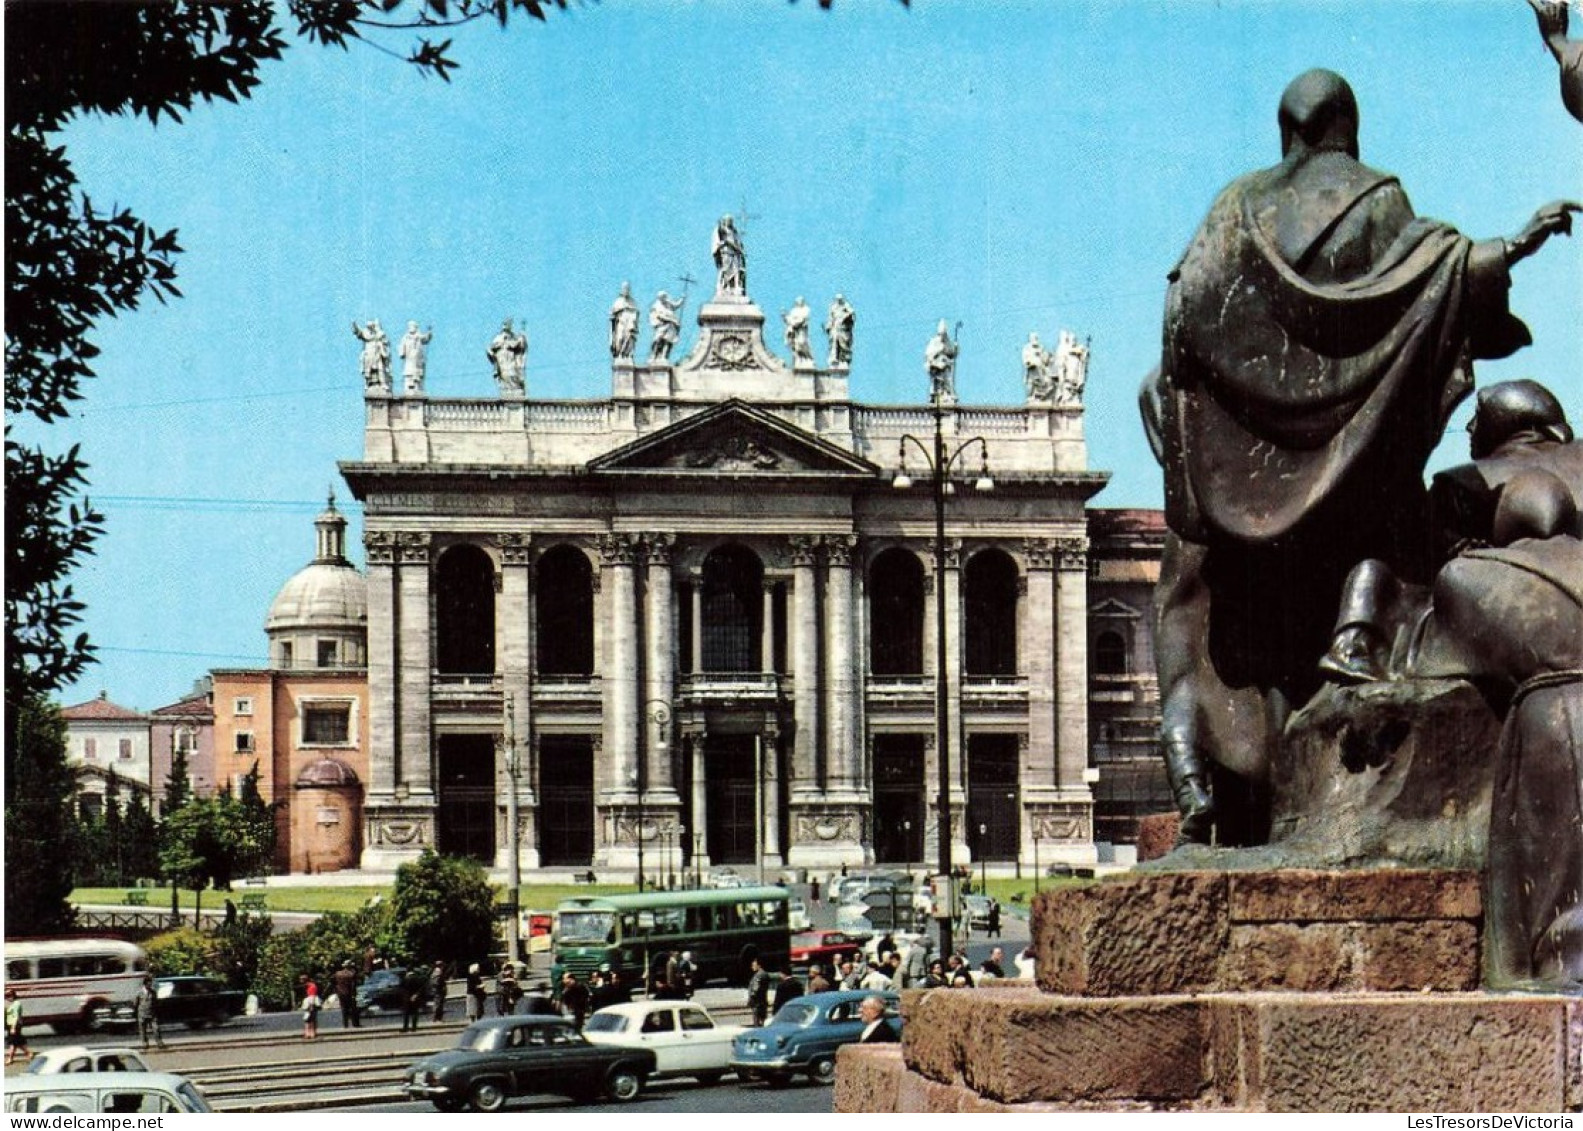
(709, 618)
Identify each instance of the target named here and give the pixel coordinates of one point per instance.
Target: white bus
(71, 983)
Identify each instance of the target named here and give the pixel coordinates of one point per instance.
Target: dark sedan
(383, 991)
(192, 1000)
(502, 1057)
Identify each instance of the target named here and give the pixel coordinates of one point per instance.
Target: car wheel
(487, 1095)
(710, 1079)
(822, 1070)
(623, 1085)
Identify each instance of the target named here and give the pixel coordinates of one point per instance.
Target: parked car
(382, 991)
(804, 1035)
(81, 1058)
(502, 1057)
(725, 878)
(975, 909)
(93, 1092)
(824, 947)
(684, 1038)
(190, 999)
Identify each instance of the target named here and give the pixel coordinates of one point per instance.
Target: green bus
(723, 928)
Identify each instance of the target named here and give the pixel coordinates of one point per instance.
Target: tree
(212, 840)
(178, 783)
(38, 791)
(443, 907)
(257, 819)
(141, 833)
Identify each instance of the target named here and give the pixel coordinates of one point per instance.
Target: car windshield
(191, 1098)
(795, 1013)
(588, 927)
(606, 1023)
(481, 1039)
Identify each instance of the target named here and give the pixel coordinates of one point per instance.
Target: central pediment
(732, 438)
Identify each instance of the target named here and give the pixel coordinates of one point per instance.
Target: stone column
(1071, 672)
(1037, 633)
(415, 652)
(767, 635)
(953, 667)
(619, 666)
(842, 753)
(769, 746)
(700, 825)
(697, 613)
(514, 628)
(660, 668)
(805, 668)
(383, 694)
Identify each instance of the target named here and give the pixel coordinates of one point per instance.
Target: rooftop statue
(375, 358)
(623, 324)
(797, 337)
(1037, 370)
(508, 354)
(1316, 339)
(838, 326)
(730, 260)
(666, 323)
(1070, 370)
(939, 358)
(414, 357)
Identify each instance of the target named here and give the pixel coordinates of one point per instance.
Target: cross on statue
(686, 280)
(743, 216)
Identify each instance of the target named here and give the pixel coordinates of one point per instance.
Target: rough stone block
(934, 1024)
(1143, 934)
(1355, 895)
(1573, 1019)
(1446, 1052)
(1157, 834)
(1024, 1046)
(1341, 957)
(867, 1078)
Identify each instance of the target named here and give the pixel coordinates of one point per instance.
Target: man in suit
(876, 1029)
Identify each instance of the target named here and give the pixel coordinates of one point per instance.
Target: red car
(826, 948)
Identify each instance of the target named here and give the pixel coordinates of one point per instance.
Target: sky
(1016, 167)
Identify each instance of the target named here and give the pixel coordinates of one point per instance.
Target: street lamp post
(983, 862)
(939, 465)
(514, 825)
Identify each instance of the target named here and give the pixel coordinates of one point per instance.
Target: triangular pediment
(732, 438)
(1110, 607)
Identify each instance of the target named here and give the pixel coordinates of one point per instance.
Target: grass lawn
(545, 897)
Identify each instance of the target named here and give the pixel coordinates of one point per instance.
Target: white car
(797, 915)
(81, 1058)
(683, 1037)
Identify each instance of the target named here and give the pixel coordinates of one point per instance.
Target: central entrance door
(467, 796)
(566, 800)
(730, 771)
(898, 798)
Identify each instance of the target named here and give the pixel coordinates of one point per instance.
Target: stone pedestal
(1295, 990)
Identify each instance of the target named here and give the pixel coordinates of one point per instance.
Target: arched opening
(895, 598)
(563, 604)
(733, 610)
(990, 609)
(464, 612)
(1110, 653)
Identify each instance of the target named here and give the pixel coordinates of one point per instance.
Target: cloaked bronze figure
(1317, 337)
(1552, 16)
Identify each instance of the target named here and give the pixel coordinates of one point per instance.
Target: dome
(322, 595)
(326, 773)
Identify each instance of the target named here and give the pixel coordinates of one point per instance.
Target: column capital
(413, 547)
(838, 548)
(658, 549)
(618, 549)
(516, 549)
(1073, 551)
(953, 552)
(380, 547)
(804, 549)
(1039, 552)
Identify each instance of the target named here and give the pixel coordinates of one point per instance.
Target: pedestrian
(875, 1028)
(759, 993)
(994, 965)
(143, 1009)
(994, 919)
(817, 982)
(813, 890)
(437, 984)
(475, 993)
(850, 975)
(345, 982)
(686, 975)
(311, 1005)
(886, 946)
(414, 988)
(507, 992)
(15, 1042)
(788, 988)
(574, 999)
(935, 978)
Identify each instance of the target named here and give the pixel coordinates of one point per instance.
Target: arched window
(563, 607)
(990, 610)
(464, 612)
(733, 610)
(1110, 653)
(895, 602)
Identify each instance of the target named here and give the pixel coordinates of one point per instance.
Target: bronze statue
(1552, 16)
(1316, 339)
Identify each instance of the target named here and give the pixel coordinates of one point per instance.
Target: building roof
(1113, 522)
(100, 709)
(321, 595)
(191, 705)
(327, 772)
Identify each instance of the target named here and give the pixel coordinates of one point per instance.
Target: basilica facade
(695, 623)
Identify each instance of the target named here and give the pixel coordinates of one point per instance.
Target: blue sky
(1015, 166)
